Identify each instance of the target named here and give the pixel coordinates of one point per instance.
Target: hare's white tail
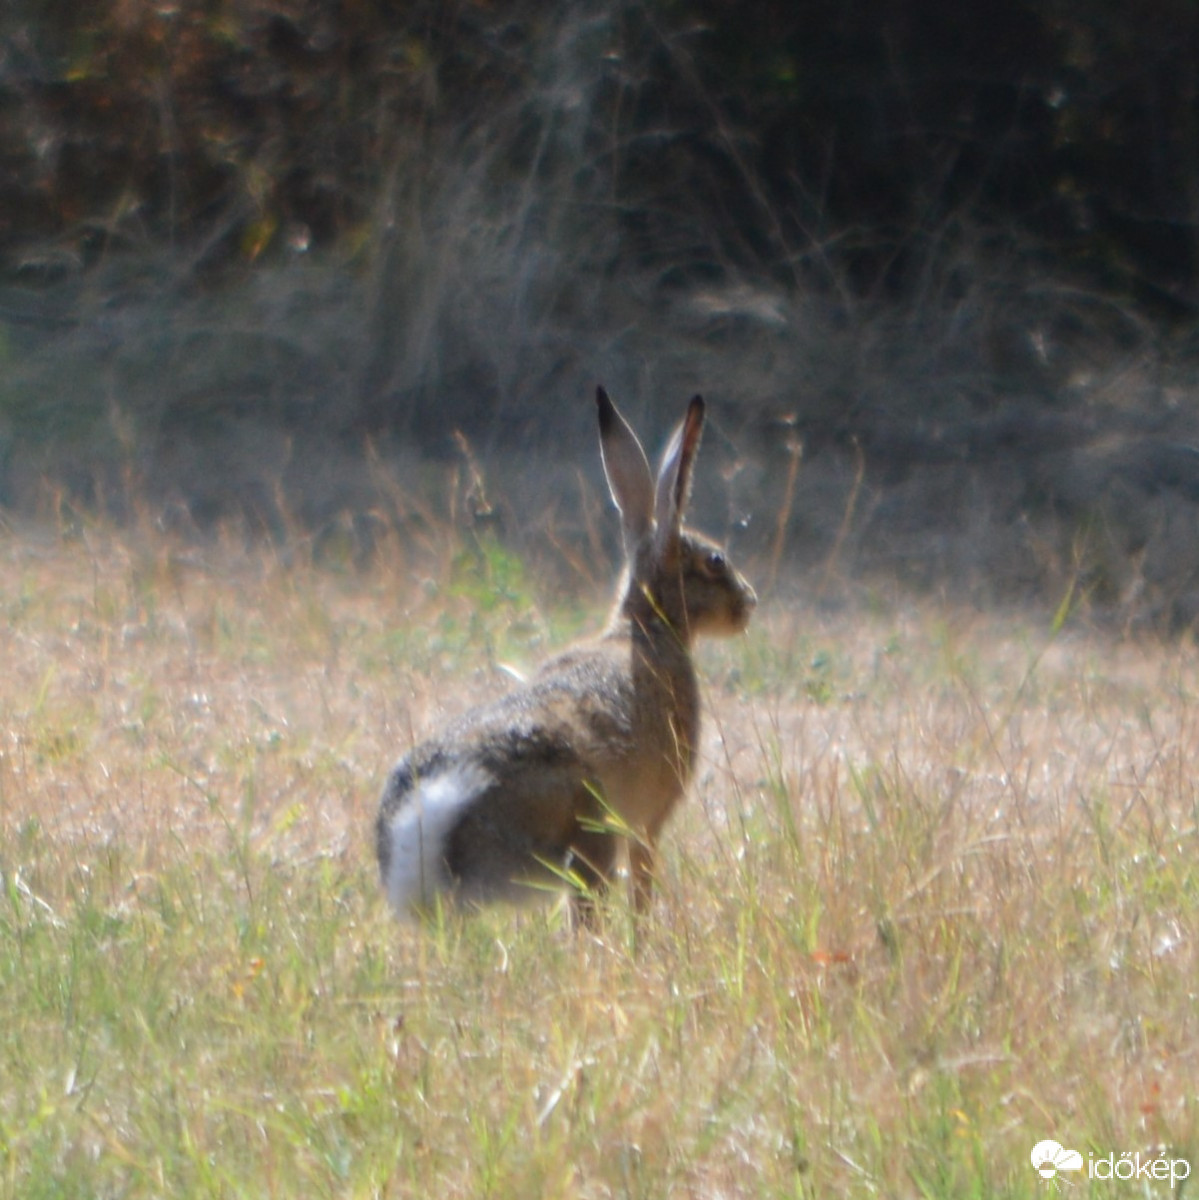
(412, 833)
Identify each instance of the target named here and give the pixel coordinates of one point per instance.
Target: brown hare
(543, 785)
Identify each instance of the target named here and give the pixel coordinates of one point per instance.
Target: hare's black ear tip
(604, 404)
(697, 405)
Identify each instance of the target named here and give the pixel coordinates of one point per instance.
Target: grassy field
(935, 899)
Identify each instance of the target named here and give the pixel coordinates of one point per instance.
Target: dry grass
(936, 898)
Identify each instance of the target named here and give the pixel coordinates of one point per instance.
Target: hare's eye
(715, 562)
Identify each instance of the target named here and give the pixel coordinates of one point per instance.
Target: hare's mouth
(730, 622)
(745, 609)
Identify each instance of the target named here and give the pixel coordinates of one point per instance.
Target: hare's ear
(627, 470)
(674, 475)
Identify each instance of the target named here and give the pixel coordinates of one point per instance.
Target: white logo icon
(1050, 1157)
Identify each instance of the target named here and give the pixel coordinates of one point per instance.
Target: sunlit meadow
(935, 898)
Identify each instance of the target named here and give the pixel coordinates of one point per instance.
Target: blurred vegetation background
(933, 265)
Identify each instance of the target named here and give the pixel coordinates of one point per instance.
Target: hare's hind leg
(593, 860)
(642, 867)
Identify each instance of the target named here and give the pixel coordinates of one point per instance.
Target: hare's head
(672, 574)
